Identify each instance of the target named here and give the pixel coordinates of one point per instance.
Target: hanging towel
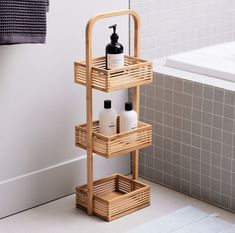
(23, 21)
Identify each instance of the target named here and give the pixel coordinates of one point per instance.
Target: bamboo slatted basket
(135, 72)
(111, 146)
(115, 196)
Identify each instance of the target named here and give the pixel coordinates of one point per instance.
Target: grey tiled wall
(193, 138)
(174, 26)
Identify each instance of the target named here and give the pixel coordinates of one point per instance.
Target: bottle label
(115, 61)
(111, 125)
(133, 127)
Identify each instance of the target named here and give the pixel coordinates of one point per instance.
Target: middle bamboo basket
(111, 146)
(135, 72)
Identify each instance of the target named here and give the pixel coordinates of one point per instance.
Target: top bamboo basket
(135, 72)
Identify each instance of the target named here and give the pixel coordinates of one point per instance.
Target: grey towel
(23, 21)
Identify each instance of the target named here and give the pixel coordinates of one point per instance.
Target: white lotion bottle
(128, 118)
(108, 119)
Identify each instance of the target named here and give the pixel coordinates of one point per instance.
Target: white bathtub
(216, 61)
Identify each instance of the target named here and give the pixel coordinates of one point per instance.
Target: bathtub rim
(160, 67)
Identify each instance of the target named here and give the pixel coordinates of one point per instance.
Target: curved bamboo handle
(94, 19)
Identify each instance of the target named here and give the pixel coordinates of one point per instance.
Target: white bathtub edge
(159, 67)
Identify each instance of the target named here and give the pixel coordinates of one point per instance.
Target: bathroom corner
(191, 109)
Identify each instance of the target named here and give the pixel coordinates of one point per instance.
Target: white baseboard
(35, 188)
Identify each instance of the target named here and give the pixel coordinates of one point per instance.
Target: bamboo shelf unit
(113, 196)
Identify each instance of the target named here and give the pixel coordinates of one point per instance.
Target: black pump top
(128, 106)
(107, 104)
(114, 37)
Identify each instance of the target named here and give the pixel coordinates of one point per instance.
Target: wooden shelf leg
(89, 182)
(135, 162)
(89, 124)
(136, 100)
(135, 154)
(89, 150)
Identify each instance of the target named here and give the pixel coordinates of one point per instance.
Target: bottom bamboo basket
(115, 196)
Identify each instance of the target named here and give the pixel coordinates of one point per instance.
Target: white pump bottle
(107, 120)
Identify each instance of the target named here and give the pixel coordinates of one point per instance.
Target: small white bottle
(107, 119)
(128, 118)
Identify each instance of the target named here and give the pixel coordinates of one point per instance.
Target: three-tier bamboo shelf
(116, 195)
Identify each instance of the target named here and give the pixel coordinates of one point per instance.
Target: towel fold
(23, 21)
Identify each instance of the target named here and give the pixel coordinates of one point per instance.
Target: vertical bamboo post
(89, 122)
(89, 27)
(136, 93)
(135, 154)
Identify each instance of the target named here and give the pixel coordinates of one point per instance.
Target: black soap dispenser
(114, 51)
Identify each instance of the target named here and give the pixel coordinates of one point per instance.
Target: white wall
(173, 26)
(40, 104)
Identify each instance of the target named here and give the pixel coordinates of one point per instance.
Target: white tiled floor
(61, 216)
